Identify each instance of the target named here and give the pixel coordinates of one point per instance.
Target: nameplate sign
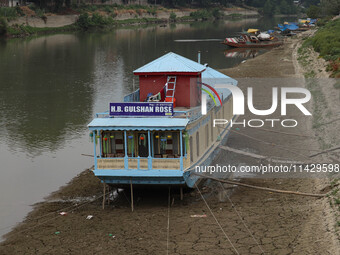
(141, 109)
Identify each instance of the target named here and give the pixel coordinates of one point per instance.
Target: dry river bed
(249, 221)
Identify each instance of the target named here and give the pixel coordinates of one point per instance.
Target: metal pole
(181, 191)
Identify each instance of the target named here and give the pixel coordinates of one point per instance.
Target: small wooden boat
(251, 41)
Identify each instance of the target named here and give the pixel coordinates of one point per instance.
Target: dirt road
(248, 222)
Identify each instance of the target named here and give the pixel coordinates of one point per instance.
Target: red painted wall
(187, 93)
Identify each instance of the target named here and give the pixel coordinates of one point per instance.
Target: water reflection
(46, 91)
(243, 53)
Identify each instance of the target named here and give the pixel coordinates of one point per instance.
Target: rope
(284, 133)
(233, 206)
(272, 144)
(216, 220)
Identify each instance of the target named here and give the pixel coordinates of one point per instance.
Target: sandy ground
(252, 221)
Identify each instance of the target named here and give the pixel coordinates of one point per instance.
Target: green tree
(284, 7)
(330, 7)
(313, 12)
(268, 8)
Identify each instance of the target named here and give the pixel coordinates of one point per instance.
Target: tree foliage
(313, 12)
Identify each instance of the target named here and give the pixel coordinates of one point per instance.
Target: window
(166, 144)
(142, 144)
(112, 144)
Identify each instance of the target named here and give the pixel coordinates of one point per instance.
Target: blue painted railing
(132, 97)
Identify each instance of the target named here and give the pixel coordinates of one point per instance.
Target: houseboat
(159, 133)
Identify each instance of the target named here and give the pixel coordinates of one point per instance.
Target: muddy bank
(264, 221)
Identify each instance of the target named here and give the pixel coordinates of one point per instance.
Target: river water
(51, 86)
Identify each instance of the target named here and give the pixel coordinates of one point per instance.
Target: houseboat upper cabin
(159, 133)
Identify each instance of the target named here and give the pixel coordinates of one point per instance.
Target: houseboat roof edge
(142, 123)
(171, 63)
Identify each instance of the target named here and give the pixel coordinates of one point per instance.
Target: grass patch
(21, 30)
(326, 41)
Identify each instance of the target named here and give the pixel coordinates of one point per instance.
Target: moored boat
(160, 133)
(246, 40)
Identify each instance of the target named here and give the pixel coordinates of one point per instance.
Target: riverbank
(279, 224)
(106, 17)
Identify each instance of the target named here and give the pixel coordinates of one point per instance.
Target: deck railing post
(181, 146)
(100, 144)
(149, 148)
(126, 161)
(95, 149)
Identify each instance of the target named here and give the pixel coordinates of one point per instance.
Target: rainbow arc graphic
(204, 107)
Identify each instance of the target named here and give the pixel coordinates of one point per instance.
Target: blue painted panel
(138, 173)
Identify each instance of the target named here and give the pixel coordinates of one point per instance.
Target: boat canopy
(288, 26)
(140, 124)
(252, 30)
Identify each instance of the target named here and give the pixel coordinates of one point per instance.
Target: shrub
(200, 14)
(19, 11)
(173, 16)
(84, 21)
(216, 13)
(3, 26)
(99, 20)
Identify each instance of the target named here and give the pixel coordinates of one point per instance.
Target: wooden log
(262, 188)
(325, 151)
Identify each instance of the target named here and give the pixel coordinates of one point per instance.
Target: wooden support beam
(131, 195)
(181, 191)
(109, 192)
(104, 190)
